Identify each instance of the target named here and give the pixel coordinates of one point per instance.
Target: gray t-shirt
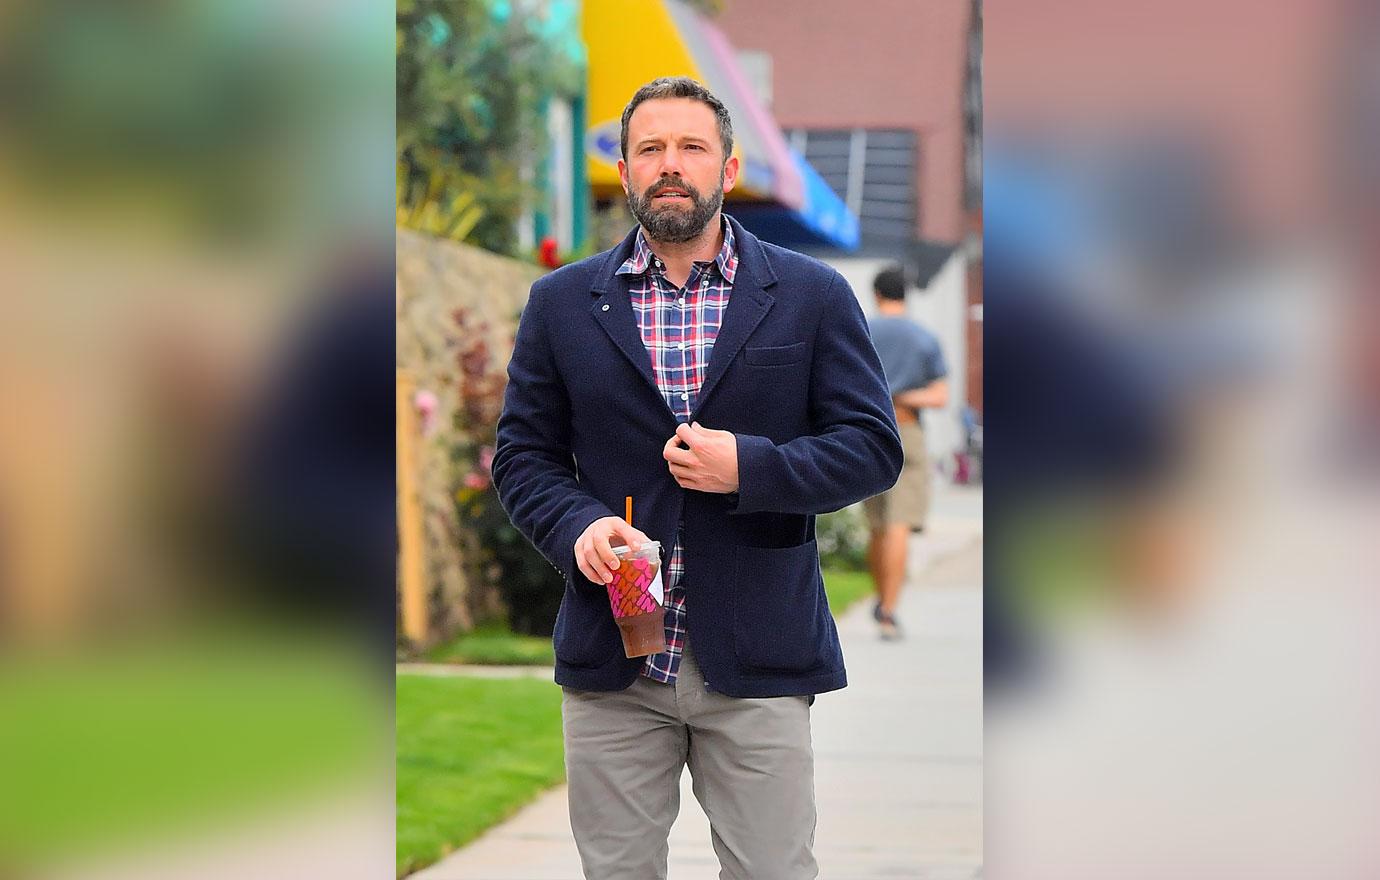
(910, 354)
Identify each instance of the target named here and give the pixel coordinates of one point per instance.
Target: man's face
(674, 174)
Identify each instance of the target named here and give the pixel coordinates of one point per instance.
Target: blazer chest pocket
(775, 355)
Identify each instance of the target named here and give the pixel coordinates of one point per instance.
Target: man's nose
(670, 162)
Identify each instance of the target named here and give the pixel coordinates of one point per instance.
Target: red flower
(548, 255)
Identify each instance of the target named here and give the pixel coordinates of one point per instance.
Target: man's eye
(693, 147)
(649, 149)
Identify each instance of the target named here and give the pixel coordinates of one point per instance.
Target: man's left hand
(703, 459)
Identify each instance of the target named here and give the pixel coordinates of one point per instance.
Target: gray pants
(750, 760)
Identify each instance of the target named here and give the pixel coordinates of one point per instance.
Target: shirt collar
(641, 260)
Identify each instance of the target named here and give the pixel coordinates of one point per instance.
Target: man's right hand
(594, 549)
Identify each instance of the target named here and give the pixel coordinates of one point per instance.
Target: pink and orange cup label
(636, 586)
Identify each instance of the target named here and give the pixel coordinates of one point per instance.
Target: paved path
(898, 752)
(474, 670)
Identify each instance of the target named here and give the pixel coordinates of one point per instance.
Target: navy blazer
(793, 374)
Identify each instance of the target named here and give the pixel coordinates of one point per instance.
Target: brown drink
(636, 595)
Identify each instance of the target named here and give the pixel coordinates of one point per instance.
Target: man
(915, 374)
(728, 386)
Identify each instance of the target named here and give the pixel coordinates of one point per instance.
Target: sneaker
(890, 630)
(877, 611)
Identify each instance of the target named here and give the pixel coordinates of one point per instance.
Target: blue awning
(822, 221)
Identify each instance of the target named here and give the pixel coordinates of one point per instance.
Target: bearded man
(731, 388)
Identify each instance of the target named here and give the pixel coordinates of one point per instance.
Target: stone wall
(437, 278)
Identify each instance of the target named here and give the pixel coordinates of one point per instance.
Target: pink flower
(486, 459)
(426, 404)
(476, 480)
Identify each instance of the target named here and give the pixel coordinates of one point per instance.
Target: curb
(466, 670)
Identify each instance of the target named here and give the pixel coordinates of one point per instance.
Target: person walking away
(916, 377)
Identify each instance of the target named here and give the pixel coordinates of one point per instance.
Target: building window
(873, 171)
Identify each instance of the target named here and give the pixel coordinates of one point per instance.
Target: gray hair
(680, 87)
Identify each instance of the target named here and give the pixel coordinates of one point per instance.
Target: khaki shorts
(908, 501)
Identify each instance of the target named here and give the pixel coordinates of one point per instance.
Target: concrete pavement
(898, 753)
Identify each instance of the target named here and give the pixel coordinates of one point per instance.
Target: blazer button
(606, 307)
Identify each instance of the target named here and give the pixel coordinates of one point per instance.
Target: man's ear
(730, 173)
(623, 176)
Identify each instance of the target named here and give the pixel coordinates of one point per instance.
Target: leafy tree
(473, 79)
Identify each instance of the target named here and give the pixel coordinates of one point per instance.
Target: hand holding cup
(594, 548)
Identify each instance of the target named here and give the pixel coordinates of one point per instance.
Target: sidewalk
(898, 753)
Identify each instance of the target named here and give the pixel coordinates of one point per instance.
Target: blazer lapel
(746, 309)
(748, 304)
(612, 310)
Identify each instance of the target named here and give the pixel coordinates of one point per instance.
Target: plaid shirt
(679, 328)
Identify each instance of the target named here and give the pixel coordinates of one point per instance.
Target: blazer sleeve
(854, 450)
(533, 468)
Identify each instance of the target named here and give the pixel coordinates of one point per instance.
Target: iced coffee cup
(636, 596)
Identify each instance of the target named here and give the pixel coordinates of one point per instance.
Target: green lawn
(494, 644)
(845, 587)
(124, 745)
(470, 752)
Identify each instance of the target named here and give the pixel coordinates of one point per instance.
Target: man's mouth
(671, 194)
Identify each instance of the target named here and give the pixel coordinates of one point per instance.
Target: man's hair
(890, 283)
(680, 87)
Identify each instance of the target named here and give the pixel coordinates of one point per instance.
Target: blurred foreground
(1183, 401)
(196, 499)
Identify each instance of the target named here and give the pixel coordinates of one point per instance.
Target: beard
(675, 223)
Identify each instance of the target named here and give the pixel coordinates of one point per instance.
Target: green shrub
(530, 590)
(842, 539)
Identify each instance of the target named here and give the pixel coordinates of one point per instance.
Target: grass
(494, 644)
(470, 752)
(845, 587)
(125, 745)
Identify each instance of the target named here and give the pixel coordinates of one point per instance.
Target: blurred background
(858, 130)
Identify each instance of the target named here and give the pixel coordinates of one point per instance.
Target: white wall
(560, 125)
(942, 309)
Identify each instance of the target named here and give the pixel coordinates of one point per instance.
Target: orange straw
(627, 509)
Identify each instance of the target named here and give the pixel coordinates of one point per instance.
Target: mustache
(662, 186)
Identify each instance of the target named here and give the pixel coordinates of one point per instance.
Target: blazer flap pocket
(774, 355)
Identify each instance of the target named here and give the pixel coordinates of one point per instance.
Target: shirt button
(684, 395)
(606, 307)
(682, 346)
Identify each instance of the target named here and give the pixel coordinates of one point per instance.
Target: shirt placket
(681, 312)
